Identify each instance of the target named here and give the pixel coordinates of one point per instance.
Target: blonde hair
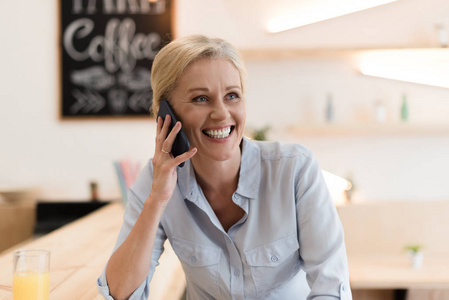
(174, 58)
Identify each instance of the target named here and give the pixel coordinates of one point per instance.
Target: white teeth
(219, 134)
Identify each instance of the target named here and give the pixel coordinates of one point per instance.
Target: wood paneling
(414, 294)
(373, 294)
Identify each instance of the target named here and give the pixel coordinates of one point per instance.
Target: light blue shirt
(290, 225)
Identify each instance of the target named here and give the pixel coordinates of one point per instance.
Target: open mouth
(219, 134)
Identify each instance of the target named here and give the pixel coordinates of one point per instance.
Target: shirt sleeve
(132, 212)
(321, 237)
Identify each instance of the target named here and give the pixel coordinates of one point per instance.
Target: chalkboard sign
(108, 47)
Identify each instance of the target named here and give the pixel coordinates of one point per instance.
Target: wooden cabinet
(16, 223)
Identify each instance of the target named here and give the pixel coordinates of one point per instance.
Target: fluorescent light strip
(423, 66)
(320, 10)
(336, 181)
(337, 186)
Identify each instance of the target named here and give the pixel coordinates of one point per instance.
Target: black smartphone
(181, 143)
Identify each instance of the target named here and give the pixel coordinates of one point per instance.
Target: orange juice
(31, 285)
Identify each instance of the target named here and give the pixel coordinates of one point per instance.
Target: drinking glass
(31, 275)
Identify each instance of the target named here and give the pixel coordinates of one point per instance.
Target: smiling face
(208, 101)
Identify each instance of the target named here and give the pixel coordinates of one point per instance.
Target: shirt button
(236, 272)
(274, 258)
(193, 259)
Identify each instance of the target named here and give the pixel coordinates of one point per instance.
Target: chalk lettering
(123, 6)
(82, 28)
(119, 48)
(77, 7)
(119, 6)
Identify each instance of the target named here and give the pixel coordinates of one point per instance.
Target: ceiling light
(309, 12)
(423, 66)
(337, 186)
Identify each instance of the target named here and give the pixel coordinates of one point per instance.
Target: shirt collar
(249, 176)
(187, 182)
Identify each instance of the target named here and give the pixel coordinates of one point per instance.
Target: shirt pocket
(200, 264)
(273, 264)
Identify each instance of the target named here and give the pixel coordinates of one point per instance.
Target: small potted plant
(257, 134)
(416, 255)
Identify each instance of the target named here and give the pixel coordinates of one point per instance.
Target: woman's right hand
(130, 264)
(164, 164)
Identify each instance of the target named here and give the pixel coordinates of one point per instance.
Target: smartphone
(181, 143)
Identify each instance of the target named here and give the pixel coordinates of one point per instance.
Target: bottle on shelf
(380, 112)
(404, 109)
(329, 109)
(443, 36)
(93, 191)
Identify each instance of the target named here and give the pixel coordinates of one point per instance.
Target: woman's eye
(232, 96)
(200, 99)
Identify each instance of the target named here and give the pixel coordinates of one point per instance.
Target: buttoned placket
(236, 265)
(236, 268)
(235, 259)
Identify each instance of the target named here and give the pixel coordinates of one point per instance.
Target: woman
(243, 217)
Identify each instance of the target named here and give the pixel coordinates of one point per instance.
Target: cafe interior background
(336, 86)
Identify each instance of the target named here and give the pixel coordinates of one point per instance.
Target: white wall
(62, 157)
(385, 167)
(36, 148)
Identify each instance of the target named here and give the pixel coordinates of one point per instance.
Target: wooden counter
(79, 252)
(376, 234)
(390, 277)
(396, 272)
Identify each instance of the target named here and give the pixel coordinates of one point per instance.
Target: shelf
(263, 54)
(297, 53)
(367, 129)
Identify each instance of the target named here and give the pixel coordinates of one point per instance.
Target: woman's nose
(219, 111)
